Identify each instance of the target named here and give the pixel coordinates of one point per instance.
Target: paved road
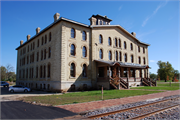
(21, 110)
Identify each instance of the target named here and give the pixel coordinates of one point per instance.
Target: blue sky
(155, 23)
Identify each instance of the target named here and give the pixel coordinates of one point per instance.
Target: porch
(120, 75)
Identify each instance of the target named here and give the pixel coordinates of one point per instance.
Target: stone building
(68, 55)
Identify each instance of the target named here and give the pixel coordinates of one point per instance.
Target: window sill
(72, 56)
(84, 57)
(72, 38)
(84, 40)
(72, 77)
(100, 43)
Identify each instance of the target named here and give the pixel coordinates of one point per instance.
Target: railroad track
(140, 111)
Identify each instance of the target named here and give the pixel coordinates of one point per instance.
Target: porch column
(109, 72)
(134, 75)
(119, 71)
(109, 76)
(128, 78)
(119, 77)
(147, 72)
(142, 73)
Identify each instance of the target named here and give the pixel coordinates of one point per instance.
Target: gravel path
(138, 111)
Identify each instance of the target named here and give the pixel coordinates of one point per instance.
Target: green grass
(169, 85)
(157, 88)
(79, 97)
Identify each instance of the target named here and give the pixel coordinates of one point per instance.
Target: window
(144, 60)
(125, 57)
(42, 42)
(45, 39)
(116, 56)
(41, 54)
(38, 43)
(44, 53)
(49, 52)
(84, 70)
(23, 73)
(49, 70)
(131, 45)
(100, 54)
(101, 71)
(37, 56)
(115, 42)
(110, 55)
(41, 71)
(28, 48)
(124, 45)
(143, 50)
(44, 86)
(33, 45)
(84, 35)
(72, 70)
(26, 73)
(139, 49)
(120, 58)
(32, 73)
(28, 59)
(132, 58)
(132, 73)
(44, 71)
(73, 49)
(101, 22)
(29, 72)
(19, 73)
(84, 51)
(119, 43)
(100, 39)
(48, 87)
(36, 72)
(49, 36)
(72, 33)
(109, 41)
(139, 59)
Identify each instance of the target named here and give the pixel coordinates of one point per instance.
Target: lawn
(156, 88)
(168, 84)
(79, 97)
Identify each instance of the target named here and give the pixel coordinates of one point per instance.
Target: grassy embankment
(161, 86)
(79, 97)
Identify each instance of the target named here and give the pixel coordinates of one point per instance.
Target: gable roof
(101, 26)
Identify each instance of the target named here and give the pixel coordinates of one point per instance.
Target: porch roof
(132, 65)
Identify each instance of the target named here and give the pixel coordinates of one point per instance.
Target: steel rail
(126, 109)
(153, 112)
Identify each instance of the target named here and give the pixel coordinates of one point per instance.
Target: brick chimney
(56, 17)
(134, 34)
(28, 37)
(92, 21)
(21, 42)
(37, 30)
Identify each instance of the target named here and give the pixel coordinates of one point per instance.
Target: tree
(153, 76)
(3, 73)
(7, 73)
(9, 69)
(165, 69)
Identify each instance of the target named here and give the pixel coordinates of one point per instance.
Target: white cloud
(152, 61)
(120, 8)
(154, 12)
(143, 34)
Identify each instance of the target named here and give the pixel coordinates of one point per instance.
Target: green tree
(3, 73)
(7, 73)
(153, 76)
(165, 69)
